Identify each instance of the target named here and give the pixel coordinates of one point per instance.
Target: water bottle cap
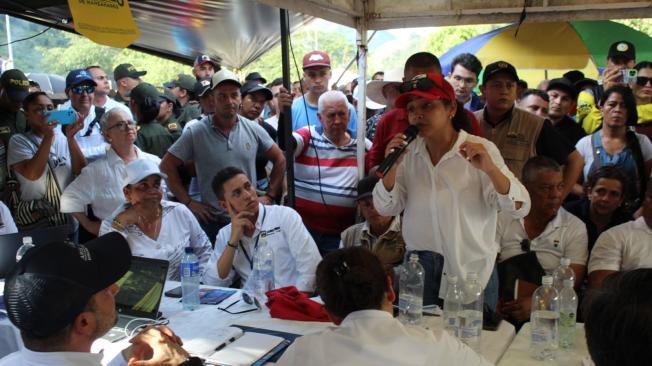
(414, 257)
(452, 279)
(189, 250)
(27, 240)
(565, 261)
(472, 276)
(569, 282)
(546, 280)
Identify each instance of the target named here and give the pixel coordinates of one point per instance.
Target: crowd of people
(502, 181)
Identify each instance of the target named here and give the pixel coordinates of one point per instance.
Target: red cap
(441, 90)
(316, 58)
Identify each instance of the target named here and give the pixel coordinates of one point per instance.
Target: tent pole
(362, 89)
(286, 115)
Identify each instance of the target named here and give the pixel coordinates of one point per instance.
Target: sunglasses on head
(643, 80)
(79, 89)
(421, 83)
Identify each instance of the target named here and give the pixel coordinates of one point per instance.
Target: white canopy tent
(366, 15)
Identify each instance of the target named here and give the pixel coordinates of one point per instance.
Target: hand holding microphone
(395, 149)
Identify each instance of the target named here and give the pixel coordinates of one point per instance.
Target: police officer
(152, 137)
(183, 87)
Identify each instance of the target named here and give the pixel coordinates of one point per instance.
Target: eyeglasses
(642, 80)
(251, 300)
(123, 125)
(79, 89)
(421, 83)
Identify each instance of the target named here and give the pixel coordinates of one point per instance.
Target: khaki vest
(515, 137)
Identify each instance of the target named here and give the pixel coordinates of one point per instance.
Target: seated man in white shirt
(380, 234)
(295, 252)
(358, 297)
(548, 230)
(62, 298)
(624, 247)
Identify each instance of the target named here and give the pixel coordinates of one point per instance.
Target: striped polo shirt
(319, 160)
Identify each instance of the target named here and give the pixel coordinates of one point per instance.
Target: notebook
(231, 346)
(138, 300)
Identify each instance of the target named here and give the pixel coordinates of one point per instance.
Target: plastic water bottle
(27, 245)
(567, 315)
(410, 297)
(544, 321)
(263, 270)
(563, 272)
(453, 301)
(190, 280)
(471, 316)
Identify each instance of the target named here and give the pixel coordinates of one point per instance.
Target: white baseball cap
(140, 169)
(222, 76)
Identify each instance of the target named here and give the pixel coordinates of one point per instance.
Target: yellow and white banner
(107, 22)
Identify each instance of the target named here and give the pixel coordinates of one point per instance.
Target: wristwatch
(192, 361)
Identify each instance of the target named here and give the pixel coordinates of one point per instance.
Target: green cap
(127, 70)
(140, 93)
(167, 94)
(185, 81)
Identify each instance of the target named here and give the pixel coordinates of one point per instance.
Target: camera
(629, 75)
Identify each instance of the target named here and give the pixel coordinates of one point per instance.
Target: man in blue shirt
(316, 74)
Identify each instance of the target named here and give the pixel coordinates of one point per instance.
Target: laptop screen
(141, 287)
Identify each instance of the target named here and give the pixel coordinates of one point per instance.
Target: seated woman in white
(153, 227)
(7, 225)
(358, 297)
(100, 183)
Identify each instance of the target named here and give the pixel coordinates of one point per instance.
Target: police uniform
(154, 138)
(190, 111)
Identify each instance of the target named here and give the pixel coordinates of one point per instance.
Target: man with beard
(217, 141)
(62, 298)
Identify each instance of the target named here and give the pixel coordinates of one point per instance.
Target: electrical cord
(27, 38)
(305, 106)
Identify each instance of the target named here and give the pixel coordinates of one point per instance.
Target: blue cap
(76, 77)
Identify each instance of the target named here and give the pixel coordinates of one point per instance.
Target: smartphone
(629, 75)
(175, 292)
(63, 116)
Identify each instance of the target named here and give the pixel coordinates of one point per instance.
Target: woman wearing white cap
(100, 182)
(156, 228)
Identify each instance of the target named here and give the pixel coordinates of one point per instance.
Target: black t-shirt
(580, 208)
(552, 144)
(261, 161)
(570, 129)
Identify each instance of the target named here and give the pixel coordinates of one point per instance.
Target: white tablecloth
(518, 353)
(201, 323)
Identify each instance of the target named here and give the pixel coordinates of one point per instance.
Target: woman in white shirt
(450, 186)
(358, 297)
(100, 183)
(156, 228)
(44, 163)
(615, 144)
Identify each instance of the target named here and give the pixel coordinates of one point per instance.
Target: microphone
(410, 134)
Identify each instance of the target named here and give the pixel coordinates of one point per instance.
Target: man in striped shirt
(326, 173)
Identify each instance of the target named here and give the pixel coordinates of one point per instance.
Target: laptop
(9, 244)
(138, 300)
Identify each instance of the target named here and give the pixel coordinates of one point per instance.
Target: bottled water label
(566, 329)
(544, 342)
(189, 269)
(470, 327)
(410, 309)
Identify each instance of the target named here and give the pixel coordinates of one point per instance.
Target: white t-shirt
(7, 226)
(564, 236)
(25, 357)
(21, 147)
(374, 337)
(585, 148)
(624, 247)
(179, 229)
